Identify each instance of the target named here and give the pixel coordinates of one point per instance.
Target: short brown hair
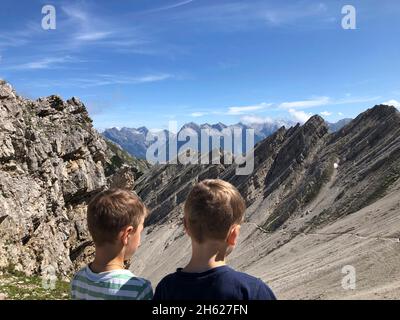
(112, 210)
(211, 208)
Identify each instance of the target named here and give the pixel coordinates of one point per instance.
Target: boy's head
(115, 217)
(214, 210)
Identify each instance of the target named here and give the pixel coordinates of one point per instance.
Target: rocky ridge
(52, 161)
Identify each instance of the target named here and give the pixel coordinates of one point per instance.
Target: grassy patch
(17, 286)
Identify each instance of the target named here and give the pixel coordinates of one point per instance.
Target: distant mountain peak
(315, 120)
(143, 129)
(383, 109)
(219, 126)
(378, 113)
(191, 125)
(336, 126)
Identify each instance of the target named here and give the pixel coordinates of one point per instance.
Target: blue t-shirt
(221, 283)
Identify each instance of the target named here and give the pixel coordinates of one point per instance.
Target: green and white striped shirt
(110, 285)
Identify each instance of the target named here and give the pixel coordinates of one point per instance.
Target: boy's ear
(233, 235)
(185, 225)
(126, 233)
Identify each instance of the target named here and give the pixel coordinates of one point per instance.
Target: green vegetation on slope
(18, 286)
(121, 157)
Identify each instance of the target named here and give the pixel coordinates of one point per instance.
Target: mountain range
(133, 140)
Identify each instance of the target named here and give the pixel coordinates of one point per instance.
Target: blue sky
(145, 62)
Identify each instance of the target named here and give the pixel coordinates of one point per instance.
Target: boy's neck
(107, 259)
(206, 256)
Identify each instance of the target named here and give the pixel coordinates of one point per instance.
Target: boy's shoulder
(245, 277)
(227, 279)
(79, 273)
(225, 272)
(121, 281)
(122, 275)
(171, 277)
(260, 290)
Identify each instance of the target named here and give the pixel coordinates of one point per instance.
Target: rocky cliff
(52, 161)
(317, 201)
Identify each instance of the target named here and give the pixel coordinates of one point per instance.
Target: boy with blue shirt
(213, 213)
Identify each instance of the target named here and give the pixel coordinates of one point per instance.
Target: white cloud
(46, 63)
(294, 13)
(76, 13)
(393, 103)
(324, 101)
(93, 36)
(12, 41)
(293, 108)
(172, 6)
(355, 100)
(245, 109)
(241, 15)
(150, 78)
(321, 101)
(102, 80)
(256, 120)
(299, 115)
(120, 79)
(198, 114)
(86, 27)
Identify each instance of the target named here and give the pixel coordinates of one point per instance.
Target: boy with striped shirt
(115, 220)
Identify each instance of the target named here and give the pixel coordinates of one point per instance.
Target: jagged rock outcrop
(52, 161)
(316, 200)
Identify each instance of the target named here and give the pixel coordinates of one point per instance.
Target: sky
(145, 62)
